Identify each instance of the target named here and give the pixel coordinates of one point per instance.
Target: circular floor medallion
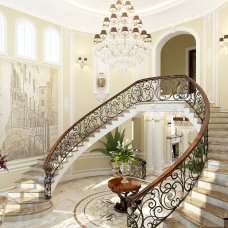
(97, 210)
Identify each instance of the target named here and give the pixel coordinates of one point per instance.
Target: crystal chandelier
(122, 41)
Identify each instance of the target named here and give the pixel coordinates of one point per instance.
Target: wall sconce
(223, 41)
(82, 62)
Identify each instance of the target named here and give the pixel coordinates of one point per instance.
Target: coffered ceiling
(87, 15)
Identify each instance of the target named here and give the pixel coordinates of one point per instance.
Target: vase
(125, 169)
(115, 168)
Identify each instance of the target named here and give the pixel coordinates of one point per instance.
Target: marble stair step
(188, 217)
(41, 160)
(218, 131)
(218, 154)
(215, 109)
(173, 223)
(217, 134)
(206, 210)
(218, 120)
(16, 193)
(212, 184)
(210, 196)
(218, 125)
(37, 167)
(37, 175)
(27, 213)
(218, 114)
(218, 138)
(218, 145)
(26, 202)
(26, 183)
(216, 162)
(217, 174)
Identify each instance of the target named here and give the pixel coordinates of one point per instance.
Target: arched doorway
(178, 56)
(170, 36)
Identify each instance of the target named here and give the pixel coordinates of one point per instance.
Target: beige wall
(223, 58)
(12, 16)
(173, 54)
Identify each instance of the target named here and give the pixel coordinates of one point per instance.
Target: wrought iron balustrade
(163, 88)
(152, 205)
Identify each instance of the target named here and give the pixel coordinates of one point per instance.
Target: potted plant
(124, 154)
(110, 145)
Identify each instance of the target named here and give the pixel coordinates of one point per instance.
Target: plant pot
(125, 168)
(115, 168)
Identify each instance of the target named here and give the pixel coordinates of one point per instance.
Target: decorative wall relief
(28, 109)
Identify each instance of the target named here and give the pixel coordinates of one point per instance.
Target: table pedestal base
(121, 207)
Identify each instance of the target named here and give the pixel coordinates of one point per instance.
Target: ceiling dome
(87, 15)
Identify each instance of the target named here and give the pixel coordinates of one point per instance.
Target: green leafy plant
(111, 142)
(124, 152)
(196, 163)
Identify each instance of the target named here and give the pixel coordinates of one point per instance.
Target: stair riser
(219, 177)
(13, 207)
(204, 214)
(26, 217)
(218, 155)
(218, 120)
(218, 147)
(210, 186)
(209, 199)
(215, 109)
(16, 195)
(216, 164)
(218, 139)
(219, 114)
(217, 132)
(218, 125)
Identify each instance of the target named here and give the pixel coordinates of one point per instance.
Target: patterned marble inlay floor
(97, 210)
(65, 198)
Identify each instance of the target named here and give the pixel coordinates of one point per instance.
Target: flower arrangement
(3, 162)
(124, 152)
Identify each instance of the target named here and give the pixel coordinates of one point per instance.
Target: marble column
(154, 140)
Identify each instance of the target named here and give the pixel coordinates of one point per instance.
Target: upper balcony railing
(163, 88)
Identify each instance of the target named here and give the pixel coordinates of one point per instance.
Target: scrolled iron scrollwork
(163, 197)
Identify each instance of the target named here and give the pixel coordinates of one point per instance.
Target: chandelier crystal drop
(122, 41)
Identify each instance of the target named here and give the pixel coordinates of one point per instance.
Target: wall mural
(28, 109)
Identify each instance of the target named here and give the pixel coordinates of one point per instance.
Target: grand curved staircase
(172, 197)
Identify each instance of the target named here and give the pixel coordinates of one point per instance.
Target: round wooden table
(123, 190)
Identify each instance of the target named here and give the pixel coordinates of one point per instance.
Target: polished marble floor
(66, 196)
